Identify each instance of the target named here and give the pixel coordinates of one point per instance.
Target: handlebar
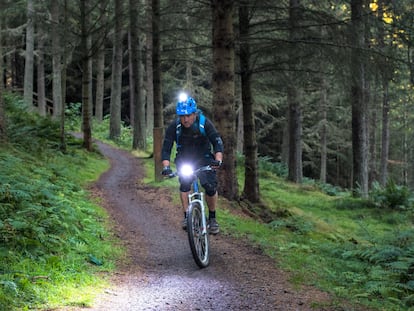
(195, 172)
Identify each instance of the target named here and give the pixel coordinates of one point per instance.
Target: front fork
(199, 197)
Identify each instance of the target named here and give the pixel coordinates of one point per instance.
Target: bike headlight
(186, 170)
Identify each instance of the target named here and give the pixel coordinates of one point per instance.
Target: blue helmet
(186, 105)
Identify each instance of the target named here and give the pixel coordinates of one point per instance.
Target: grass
(51, 229)
(56, 246)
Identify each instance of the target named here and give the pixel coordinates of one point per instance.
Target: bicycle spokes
(198, 236)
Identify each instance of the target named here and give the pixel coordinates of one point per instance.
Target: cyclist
(197, 144)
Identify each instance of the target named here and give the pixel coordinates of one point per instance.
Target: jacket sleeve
(168, 143)
(214, 136)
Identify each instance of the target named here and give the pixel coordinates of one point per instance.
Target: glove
(166, 171)
(215, 164)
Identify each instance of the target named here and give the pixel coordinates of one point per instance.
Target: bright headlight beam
(186, 170)
(182, 97)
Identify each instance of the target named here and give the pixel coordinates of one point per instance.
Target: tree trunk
(285, 141)
(149, 95)
(131, 79)
(116, 89)
(139, 134)
(240, 127)
(295, 136)
(410, 54)
(251, 180)
(223, 92)
(86, 121)
(100, 70)
(3, 133)
(41, 96)
(90, 77)
(406, 149)
(29, 56)
(385, 134)
(373, 120)
(158, 105)
(188, 55)
(63, 75)
(359, 110)
(56, 60)
(100, 83)
(323, 130)
(386, 77)
(293, 98)
(156, 65)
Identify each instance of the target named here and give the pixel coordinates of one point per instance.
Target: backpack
(201, 122)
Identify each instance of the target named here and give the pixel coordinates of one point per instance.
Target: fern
(295, 224)
(383, 270)
(391, 196)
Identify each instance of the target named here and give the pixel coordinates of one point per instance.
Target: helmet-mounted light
(182, 97)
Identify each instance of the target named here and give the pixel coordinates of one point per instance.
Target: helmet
(186, 105)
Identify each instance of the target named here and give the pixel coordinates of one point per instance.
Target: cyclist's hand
(166, 171)
(215, 164)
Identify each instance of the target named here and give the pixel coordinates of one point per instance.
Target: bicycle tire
(199, 242)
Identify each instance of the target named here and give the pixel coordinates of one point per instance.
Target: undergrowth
(53, 238)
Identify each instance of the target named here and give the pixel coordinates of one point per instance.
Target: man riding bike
(198, 143)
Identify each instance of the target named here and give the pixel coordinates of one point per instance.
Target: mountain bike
(197, 227)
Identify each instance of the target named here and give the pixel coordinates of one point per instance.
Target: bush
(391, 196)
(277, 168)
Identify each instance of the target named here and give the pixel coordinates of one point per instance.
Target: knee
(185, 188)
(210, 189)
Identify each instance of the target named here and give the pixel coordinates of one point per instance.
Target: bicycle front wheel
(198, 235)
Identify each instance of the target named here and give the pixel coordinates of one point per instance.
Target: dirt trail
(162, 275)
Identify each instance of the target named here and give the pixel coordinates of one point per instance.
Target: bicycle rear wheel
(198, 238)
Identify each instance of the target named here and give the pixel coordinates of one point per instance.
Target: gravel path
(161, 273)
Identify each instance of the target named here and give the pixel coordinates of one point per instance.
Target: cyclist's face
(188, 119)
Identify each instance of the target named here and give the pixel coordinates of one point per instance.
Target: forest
(322, 87)
(318, 93)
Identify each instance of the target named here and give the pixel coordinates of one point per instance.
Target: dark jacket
(192, 145)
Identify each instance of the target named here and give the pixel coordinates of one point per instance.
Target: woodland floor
(160, 273)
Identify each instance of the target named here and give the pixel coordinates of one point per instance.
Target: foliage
(101, 132)
(100, 128)
(72, 116)
(382, 270)
(49, 228)
(27, 130)
(277, 168)
(294, 223)
(391, 196)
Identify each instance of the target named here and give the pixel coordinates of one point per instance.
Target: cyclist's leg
(185, 188)
(184, 200)
(212, 202)
(208, 181)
